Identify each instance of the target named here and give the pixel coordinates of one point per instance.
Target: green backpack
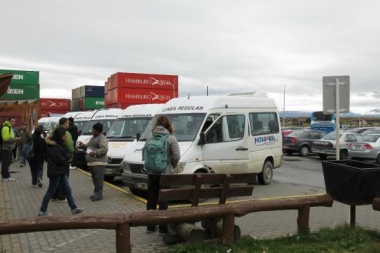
(155, 153)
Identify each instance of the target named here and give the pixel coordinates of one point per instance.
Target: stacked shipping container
(53, 106)
(87, 97)
(125, 89)
(25, 85)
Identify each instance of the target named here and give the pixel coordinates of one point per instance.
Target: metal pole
(283, 118)
(337, 118)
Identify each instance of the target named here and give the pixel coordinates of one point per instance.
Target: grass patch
(342, 239)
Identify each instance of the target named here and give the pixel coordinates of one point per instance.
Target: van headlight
(180, 168)
(126, 167)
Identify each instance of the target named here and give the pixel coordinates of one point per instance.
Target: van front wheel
(265, 177)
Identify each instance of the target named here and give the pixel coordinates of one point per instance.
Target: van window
(226, 128)
(263, 123)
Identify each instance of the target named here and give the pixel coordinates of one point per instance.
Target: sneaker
(42, 213)
(73, 167)
(9, 179)
(39, 182)
(77, 210)
(150, 229)
(93, 198)
(61, 200)
(22, 165)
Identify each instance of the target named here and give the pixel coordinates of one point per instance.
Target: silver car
(367, 148)
(326, 145)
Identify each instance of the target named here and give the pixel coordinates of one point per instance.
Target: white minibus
(234, 133)
(124, 132)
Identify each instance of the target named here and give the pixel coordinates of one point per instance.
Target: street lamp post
(283, 118)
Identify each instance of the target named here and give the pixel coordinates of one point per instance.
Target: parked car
(358, 130)
(374, 130)
(299, 141)
(367, 148)
(327, 145)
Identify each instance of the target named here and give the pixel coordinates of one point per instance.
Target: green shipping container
(22, 92)
(22, 76)
(93, 103)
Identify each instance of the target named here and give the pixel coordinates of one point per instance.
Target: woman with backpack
(162, 127)
(36, 163)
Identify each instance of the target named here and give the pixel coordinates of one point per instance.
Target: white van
(48, 123)
(82, 118)
(106, 117)
(235, 133)
(124, 131)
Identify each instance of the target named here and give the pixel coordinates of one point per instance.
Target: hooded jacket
(69, 142)
(9, 141)
(57, 157)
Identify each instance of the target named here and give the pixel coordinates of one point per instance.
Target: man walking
(8, 145)
(24, 138)
(96, 156)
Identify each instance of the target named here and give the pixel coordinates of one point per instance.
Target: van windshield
(186, 125)
(107, 123)
(128, 127)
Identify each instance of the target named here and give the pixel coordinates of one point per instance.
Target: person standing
(24, 138)
(15, 149)
(37, 163)
(58, 157)
(73, 129)
(96, 157)
(162, 127)
(8, 145)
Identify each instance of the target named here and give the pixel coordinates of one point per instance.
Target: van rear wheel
(265, 177)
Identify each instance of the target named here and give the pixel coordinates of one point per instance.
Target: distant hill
(303, 114)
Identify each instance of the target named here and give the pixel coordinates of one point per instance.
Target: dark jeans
(36, 169)
(54, 182)
(5, 163)
(60, 192)
(152, 201)
(97, 175)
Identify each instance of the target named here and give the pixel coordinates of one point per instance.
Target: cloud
(222, 45)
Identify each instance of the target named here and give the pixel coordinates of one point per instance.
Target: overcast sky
(227, 46)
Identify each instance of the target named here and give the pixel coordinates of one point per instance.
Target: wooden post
(303, 219)
(123, 238)
(228, 229)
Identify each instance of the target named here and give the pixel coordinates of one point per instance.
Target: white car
(327, 145)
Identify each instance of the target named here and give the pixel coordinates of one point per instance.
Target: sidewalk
(19, 200)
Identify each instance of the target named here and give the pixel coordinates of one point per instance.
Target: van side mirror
(202, 138)
(138, 136)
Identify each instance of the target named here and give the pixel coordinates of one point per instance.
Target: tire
(109, 178)
(343, 155)
(378, 159)
(265, 177)
(140, 193)
(304, 150)
(322, 156)
(288, 152)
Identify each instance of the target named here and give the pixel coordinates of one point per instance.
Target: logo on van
(265, 140)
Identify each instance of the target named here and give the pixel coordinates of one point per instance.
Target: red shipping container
(118, 105)
(51, 113)
(144, 81)
(140, 96)
(55, 103)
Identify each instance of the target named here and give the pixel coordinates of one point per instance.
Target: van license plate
(142, 185)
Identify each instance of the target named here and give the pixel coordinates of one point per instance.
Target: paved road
(19, 200)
